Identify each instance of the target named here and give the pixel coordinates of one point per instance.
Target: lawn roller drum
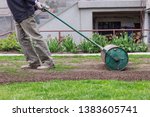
(114, 57)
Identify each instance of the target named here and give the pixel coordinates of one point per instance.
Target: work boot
(46, 66)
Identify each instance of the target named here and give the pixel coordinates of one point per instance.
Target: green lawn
(77, 90)
(72, 89)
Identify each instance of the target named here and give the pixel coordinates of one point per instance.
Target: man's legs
(30, 28)
(27, 47)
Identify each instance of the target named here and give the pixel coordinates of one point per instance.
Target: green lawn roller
(114, 57)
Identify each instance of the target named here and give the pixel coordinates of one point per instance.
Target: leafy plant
(124, 41)
(127, 43)
(85, 46)
(9, 43)
(69, 45)
(100, 39)
(54, 45)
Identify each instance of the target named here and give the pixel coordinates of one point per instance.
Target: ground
(75, 70)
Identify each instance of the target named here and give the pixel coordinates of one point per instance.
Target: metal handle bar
(73, 29)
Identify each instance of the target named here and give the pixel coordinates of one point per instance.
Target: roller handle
(44, 9)
(73, 28)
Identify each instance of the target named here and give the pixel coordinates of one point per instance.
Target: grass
(12, 64)
(137, 58)
(77, 90)
(71, 90)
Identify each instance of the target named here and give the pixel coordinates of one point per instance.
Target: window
(109, 25)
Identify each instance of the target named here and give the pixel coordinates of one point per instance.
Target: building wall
(70, 16)
(109, 3)
(147, 4)
(105, 6)
(146, 26)
(86, 19)
(3, 3)
(147, 22)
(80, 16)
(6, 24)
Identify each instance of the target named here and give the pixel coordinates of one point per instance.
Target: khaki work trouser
(34, 47)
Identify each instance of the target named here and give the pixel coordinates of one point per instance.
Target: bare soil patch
(82, 71)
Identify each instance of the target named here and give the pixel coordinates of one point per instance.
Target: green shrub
(127, 43)
(9, 43)
(54, 45)
(69, 45)
(100, 40)
(87, 46)
(124, 41)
